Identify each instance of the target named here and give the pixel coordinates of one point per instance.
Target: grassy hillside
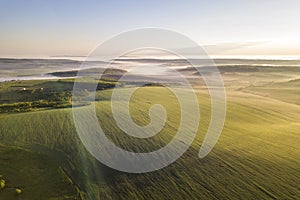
(256, 156)
(286, 90)
(38, 175)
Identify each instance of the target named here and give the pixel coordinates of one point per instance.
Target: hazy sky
(49, 27)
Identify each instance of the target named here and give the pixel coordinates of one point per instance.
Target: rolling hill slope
(257, 154)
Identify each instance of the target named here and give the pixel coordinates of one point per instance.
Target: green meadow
(256, 157)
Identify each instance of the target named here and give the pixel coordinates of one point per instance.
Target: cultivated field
(256, 157)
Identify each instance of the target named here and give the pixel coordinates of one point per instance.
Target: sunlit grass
(256, 155)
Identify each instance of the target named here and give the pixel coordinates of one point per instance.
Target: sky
(34, 28)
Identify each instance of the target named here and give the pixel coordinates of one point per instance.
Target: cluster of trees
(48, 100)
(31, 106)
(102, 85)
(49, 95)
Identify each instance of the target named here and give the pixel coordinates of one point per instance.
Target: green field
(256, 157)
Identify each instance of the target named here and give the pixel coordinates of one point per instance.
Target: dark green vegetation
(256, 157)
(25, 96)
(107, 74)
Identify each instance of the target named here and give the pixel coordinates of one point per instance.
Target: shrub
(18, 191)
(2, 184)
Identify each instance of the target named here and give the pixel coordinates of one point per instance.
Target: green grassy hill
(257, 154)
(38, 175)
